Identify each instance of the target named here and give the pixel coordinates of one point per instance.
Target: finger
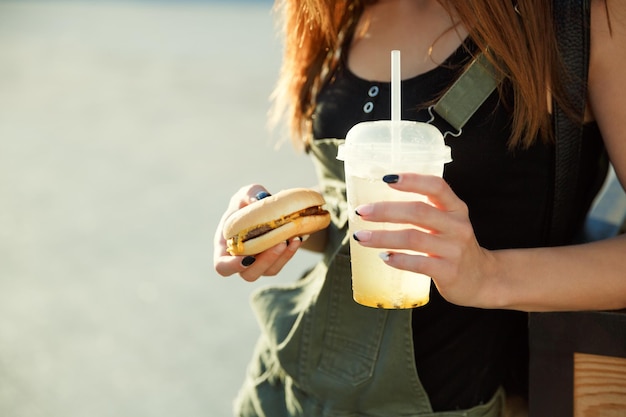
(249, 267)
(229, 265)
(420, 264)
(436, 189)
(268, 263)
(250, 194)
(413, 239)
(418, 213)
(262, 262)
(292, 247)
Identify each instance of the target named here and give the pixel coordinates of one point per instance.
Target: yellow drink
(374, 283)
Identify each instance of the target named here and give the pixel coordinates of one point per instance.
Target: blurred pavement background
(124, 129)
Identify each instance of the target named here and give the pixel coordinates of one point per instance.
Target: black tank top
(464, 354)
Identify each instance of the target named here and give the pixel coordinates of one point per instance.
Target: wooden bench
(578, 364)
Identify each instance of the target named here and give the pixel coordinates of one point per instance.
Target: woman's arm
(582, 277)
(579, 277)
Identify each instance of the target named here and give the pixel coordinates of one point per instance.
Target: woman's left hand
(455, 260)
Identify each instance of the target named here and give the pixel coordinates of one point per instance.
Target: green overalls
(322, 354)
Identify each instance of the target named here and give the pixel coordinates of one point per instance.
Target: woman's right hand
(250, 268)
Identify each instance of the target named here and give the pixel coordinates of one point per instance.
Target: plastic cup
(369, 153)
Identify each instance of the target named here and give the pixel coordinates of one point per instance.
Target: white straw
(395, 105)
(395, 86)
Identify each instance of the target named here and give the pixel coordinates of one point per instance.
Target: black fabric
(463, 354)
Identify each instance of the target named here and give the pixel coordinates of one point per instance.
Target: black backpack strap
(572, 21)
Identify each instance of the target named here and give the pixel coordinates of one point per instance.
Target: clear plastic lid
(413, 141)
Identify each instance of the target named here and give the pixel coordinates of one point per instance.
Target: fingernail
(298, 239)
(391, 179)
(362, 235)
(384, 256)
(261, 195)
(280, 248)
(247, 261)
(363, 210)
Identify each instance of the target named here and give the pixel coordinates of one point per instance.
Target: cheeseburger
(267, 222)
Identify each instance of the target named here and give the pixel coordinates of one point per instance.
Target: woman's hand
(458, 265)
(250, 268)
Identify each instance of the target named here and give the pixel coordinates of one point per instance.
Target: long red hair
(521, 44)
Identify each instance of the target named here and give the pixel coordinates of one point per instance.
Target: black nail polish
(248, 260)
(355, 237)
(261, 195)
(357, 213)
(391, 179)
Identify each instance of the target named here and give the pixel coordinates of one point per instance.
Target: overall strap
(572, 20)
(468, 93)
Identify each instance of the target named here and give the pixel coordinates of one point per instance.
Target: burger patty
(274, 224)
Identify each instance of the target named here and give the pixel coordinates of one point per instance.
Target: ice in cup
(369, 153)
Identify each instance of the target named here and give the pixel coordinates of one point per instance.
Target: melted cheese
(258, 230)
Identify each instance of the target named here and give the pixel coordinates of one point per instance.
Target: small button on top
(373, 91)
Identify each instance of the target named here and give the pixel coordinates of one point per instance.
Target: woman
(322, 354)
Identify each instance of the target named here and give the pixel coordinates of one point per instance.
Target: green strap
(468, 93)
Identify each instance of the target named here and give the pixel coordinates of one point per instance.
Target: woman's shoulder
(608, 50)
(607, 77)
(608, 29)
